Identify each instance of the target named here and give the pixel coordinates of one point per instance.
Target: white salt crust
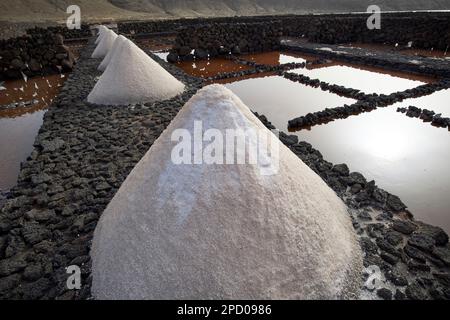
(133, 77)
(101, 32)
(115, 48)
(104, 45)
(223, 231)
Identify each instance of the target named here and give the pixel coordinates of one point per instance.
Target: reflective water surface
(20, 125)
(439, 102)
(404, 156)
(281, 99)
(367, 80)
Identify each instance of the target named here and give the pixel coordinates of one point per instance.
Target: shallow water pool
(20, 125)
(405, 156)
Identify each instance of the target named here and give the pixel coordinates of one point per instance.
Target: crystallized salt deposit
(215, 231)
(115, 48)
(101, 31)
(133, 77)
(105, 44)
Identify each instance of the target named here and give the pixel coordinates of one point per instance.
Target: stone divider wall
(68, 34)
(39, 54)
(424, 30)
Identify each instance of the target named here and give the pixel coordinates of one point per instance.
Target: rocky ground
(84, 152)
(435, 119)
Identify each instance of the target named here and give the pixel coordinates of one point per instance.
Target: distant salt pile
(101, 32)
(114, 50)
(105, 44)
(214, 231)
(133, 77)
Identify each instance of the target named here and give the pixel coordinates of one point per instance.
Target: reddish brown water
(275, 58)
(210, 68)
(404, 156)
(20, 125)
(157, 43)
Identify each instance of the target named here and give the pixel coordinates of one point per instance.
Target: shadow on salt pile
(216, 231)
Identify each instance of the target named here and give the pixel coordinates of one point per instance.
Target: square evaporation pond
(275, 58)
(404, 156)
(439, 102)
(363, 80)
(281, 100)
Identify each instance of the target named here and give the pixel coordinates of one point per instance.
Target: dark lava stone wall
(82, 33)
(39, 54)
(223, 38)
(426, 31)
(166, 26)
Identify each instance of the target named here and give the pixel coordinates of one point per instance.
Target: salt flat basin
(404, 156)
(439, 102)
(366, 81)
(283, 99)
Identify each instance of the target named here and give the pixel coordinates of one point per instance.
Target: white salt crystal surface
(105, 44)
(223, 231)
(133, 77)
(115, 48)
(101, 32)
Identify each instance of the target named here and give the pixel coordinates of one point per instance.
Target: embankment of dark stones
(40, 54)
(424, 30)
(413, 257)
(68, 34)
(435, 119)
(221, 39)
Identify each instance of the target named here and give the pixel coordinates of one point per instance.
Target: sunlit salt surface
(283, 99)
(365, 80)
(162, 54)
(404, 156)
(439, 102)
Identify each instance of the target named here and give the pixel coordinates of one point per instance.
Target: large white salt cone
(133, 77)
(223, 231)
(104, 45)
(114, 50)
(101, 32)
